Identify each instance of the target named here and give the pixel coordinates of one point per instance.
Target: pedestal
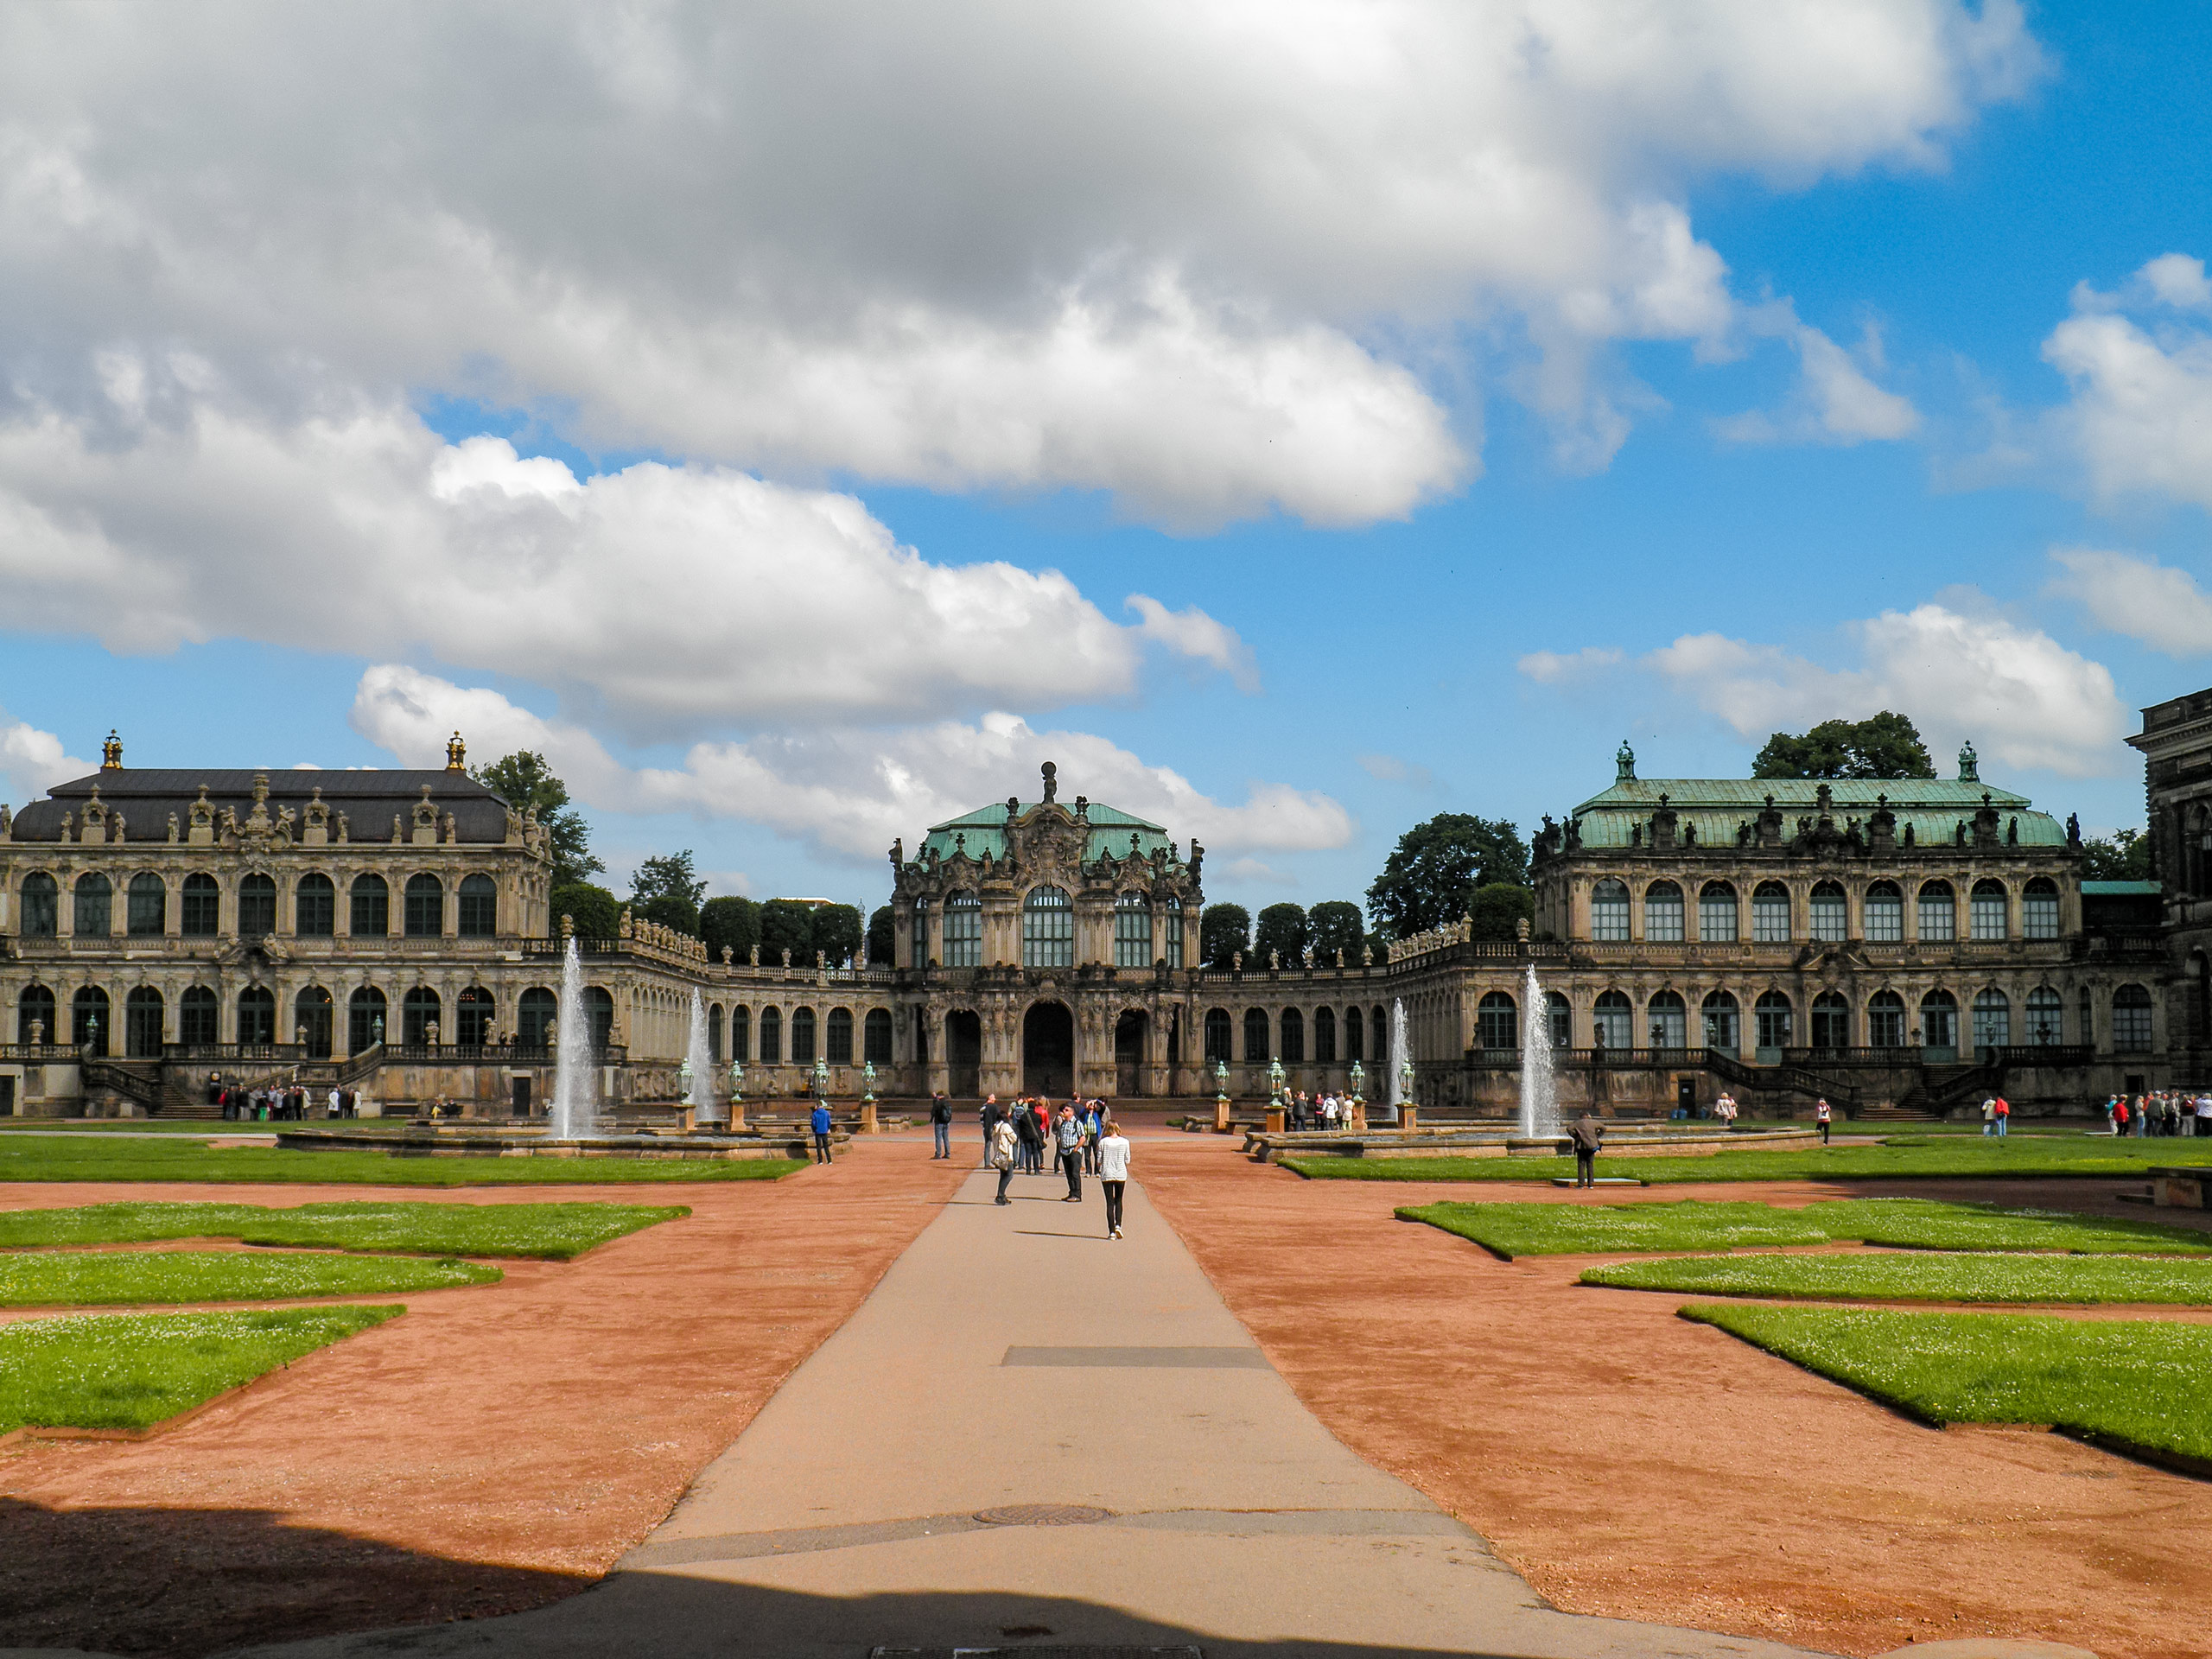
(737, 1117)
(867, 1118)
(1274, 1120)
(1221, 1114)
(1408, 1115)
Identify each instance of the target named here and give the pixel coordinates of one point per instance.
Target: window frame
(1047, 927)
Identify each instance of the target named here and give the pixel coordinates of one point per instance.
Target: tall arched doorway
(1048, 1050)
(1132, 1033)
(963, 1053)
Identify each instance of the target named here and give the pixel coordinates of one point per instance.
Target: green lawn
(116, 1158)
(1512, 1229)
(2136, 1384)
(1961, 1155)
(1922, 1276)
(115, 1278)
(555, 1232)
(131, 1126)
(132, 1371)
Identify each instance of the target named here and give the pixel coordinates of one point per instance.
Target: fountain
(1399, 1062)
(575, 1076)
(700, 1068)
(1539, 1097)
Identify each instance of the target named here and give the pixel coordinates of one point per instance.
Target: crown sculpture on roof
(112, 753)
(456, 754)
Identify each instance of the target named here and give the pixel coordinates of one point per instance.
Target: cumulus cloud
(1557, 668)
(1834, 402)
(2139, 597)
(846, 790)
(1194, 634)
(2140, 417)
(33, 761)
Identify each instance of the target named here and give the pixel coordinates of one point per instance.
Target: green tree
(1337, 925)
(786, 925)
(1431, 875)
(1282, 929)
(1498, 908)
(522, 781)
(882, 937)
(731, 921)
(596, 913)
(1881, 746)
(837, 933)
(667, 890)
(1224, 929)
(2123, 856)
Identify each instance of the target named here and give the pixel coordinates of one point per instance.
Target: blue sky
(780, 445)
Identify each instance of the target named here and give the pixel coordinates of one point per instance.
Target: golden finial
(112, 753)
(456, 754)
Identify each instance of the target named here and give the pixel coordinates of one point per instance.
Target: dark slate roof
(147, 795)
(984, 829)
(1933, 806)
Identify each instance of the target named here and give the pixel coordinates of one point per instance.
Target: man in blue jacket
(821, 1131)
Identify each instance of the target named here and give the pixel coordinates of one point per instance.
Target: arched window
(1378, 1037)
(772, 1037)
(141, 1024)
(314, 907)
(1885, 1020)
(1663, 912)
(95, 905)
(875, 1037)
(1939, 1021)
(1219, 1028)
(197, 1020)
(1258, 1050)
(257, 906)
(1772, 1021)
(1831, 1020)
(146, 910)
(89, 1026)
(2131, 1020)
(1497, 1021)
(802, 1036)
(2039, 909)
(1993, 1019)
(35, 1016)
(199, 916)
(421, 1016)
(1047, 929)
(1609, 1021)
(1561, 1014)
(1831, 914)
(311, 1019)
(40, 896)
(837, 1037)
(963, 932)
(740, 1033)
(1722, 1022)
(1609, 910)
(472, 1017)
(599, 1008)
(1131, 930)
(1354, 1035)
(1667, 1021)
(1939, 916)
(372, 908)
(257, 1015)
(715, 1033)
(1884, 914)
(1324, 1036)
(2046, 1016)
(1985, 912)
(426, 906)
(1716, 914)
(1174, 932)
(1770, 913)
(536, 1009)
(365, 1018)
(479, 908)
(1294, 1037)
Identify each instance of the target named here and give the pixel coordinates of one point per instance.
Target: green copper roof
(984, 830)
(1932, 806)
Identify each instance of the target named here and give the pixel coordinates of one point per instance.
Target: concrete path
(1155, 1486)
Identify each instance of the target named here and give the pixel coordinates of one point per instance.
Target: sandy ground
(1632, 1463)
(497, 1448)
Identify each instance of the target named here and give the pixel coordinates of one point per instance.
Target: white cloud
(2141, 414)
(1391, 769)
(33, 761)
(1194, 634)
(2140, 597)
(848, 791)
(2022, 698)
(1555, 668)
(1834, 400)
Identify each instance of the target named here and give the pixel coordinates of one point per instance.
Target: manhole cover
(1043, 1515)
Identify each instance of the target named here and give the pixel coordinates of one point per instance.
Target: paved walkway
(1013, 1360)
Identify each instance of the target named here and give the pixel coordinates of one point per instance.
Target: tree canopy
(731, 921)
(786, 925)
(837, 933)
(1337, 925)
(667, 890)
(1430, 877)
(1224, 929)
(882, 937)
(596, 913)
(524, 780)
(1881, 746)
(2123, 856)
(1498, 909)
(1283, 929)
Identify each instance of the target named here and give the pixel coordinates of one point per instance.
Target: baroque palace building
(1905, 944)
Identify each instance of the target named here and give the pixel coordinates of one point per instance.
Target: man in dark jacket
(1586, 1134)
(1032, 1139)
(941, 1126)
(820, 1118)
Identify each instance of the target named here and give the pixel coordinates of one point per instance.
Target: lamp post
(1274, 1082)
(1221, 1097)
(1358, 1114)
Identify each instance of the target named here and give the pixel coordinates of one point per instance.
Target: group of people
(2163, 1111)
(1082, 1138)
(1327, 1111)
(281, 1103)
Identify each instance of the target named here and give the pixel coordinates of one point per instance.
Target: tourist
(991, 1116)
(1032, 1137)
(940, 1126)
(820, 1118)
(1586, 1134)
(1069, 1139)
(2004, 1115)
(2169, 1113)
(2203, 1115)
(2120, 1114)
(2112, 1114)
(2140, 1117)
(1822, 1115)
(1003, 1151)
(1988, 1115)
(1724, 1109)
(1094, 1116)
(1113, 1175)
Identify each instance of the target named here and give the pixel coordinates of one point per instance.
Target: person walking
(1113, 1173)
(1093, 1116)
(820, 1121)
(1588, 1134)
(1068, 1134)
(940, 1126)
(991, 1115)
(1032, 1140)
(1005, 1146)
(1822, 1115)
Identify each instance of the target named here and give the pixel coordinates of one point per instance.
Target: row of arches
(777, 1038)
(145, 907)
(1357, 1034)
(1882, 911)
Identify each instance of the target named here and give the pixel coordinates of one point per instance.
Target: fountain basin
(423, 1140)
(1657, 1140)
